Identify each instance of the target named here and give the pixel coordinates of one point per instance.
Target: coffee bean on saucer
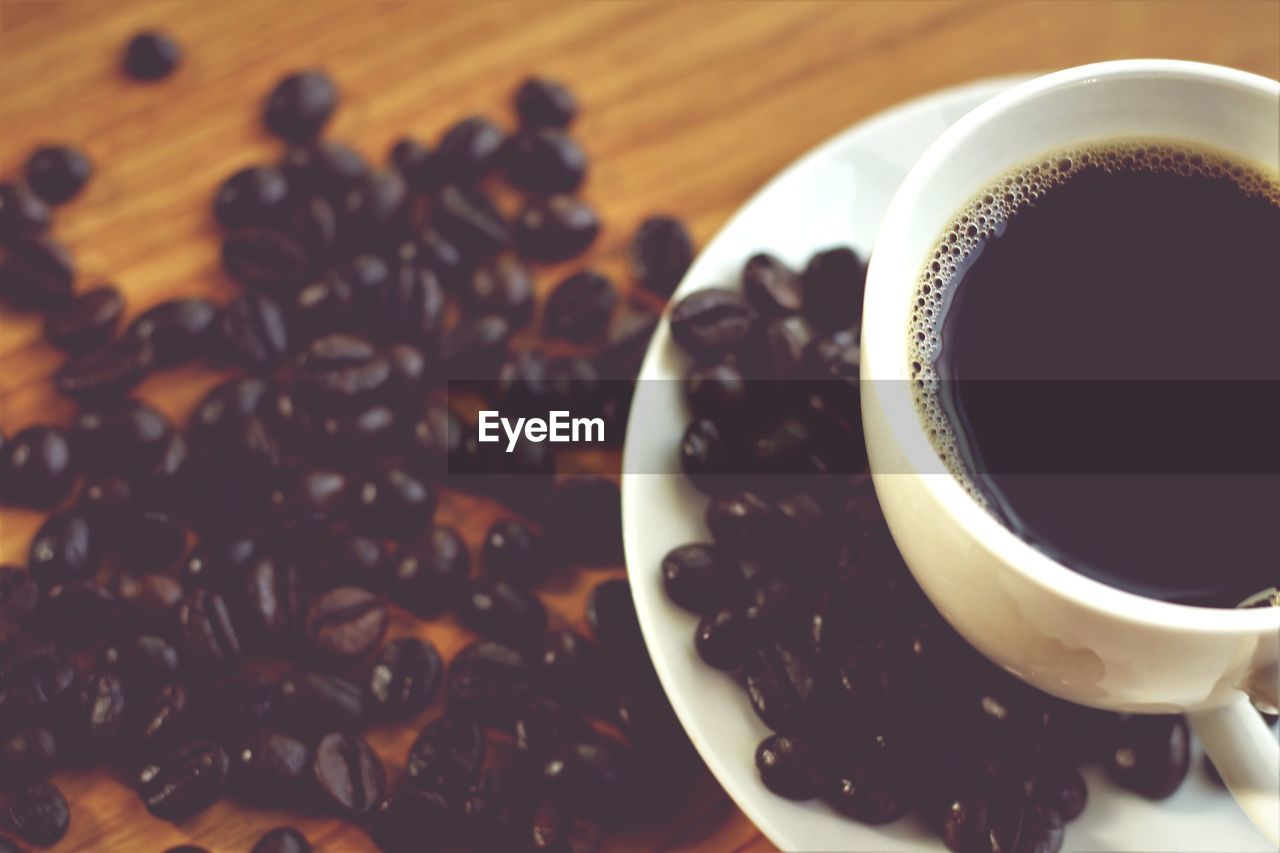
(1150, 754)
(867, 794)
(712, 323)
(86, 322)
(404, 677)
(579, 307)
(300, 105)
(346, 623)
(697, 576)
(771, 286)
(789, 767)
(832, 282)
(151, 55)
(185, 781)
(21, 211)
(36, 272)
(57, 173)
(542, 102)
(469, 149)
(660, 253)
(348, 774)
(254, 197)
(1020, 824)
(555, 228)
(38, 812)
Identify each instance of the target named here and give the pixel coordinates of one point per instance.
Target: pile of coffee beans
(206, 607)
(877, 707)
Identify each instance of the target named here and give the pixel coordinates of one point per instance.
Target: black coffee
(1097, 349)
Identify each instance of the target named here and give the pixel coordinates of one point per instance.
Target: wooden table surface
(688, 108)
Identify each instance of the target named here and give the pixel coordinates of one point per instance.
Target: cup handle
(1247, 756)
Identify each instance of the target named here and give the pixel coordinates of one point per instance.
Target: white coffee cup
(1066, 633)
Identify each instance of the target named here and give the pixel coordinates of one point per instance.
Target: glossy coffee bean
(105, 373)
(771, 286)
(544, 160)
(788, 341)
(866, 793)
(573, 669)
(404, 677)
(498, 610)
(432, 249)
(469, 149)
(254, 331)
(435, 438)
(723, 638)
(19, 597)
(1060, 787)
(544, 726)
(832, 282)
(513, 550)
(151, 55)
(446, 757)
(470, 220)
(149, 600)
(315, 225)
(27, 754)
(99, 714)
(416, 163)
(185, 781)
(592, 776)
(413, 304)
(503, 287)
(430, 575)
(179, 329)
(269, 261)
(493, 806)
(57, 173)
(1021, 826)
(78, 610)
(329, 168)
(36, 272)
(741, 523)
(340, 369)
(86, 322)
(712, 323)
(555, 228)
(700, 578)
(37, 680)
(271, 769)
(315, 702)
(1150, 755)
(611, 616)
(474, 348)
(346, 623)
(348, 774)
(394, 502)
(219, 418)
(37, 468)
(375, 209)
(489, 682)
(282, 839)
(321, 307)
(157, 720)
(145, 660)
(208, 639)
(706, 457)
(124, 435)
(660, 253)
(543, 102)
(582, 522)
(219, 562)
(300, 105)
(781, 686)
(273, 601)
(580, 306)
(409, 821)
(21, 211)
(254, 197)
(66, 547)
(38, 812)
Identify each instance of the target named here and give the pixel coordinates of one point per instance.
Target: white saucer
(835, 194)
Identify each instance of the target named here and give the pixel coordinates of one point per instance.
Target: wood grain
(688, 109)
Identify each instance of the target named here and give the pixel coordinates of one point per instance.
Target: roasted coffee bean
(712, 323)
(21, 211)
(328, 167)
(503, 287)
(66, 547)
(574, 669)
(356, 560)
(699, 577)
(580, 306)
(435, 440)
(254, 197)
(184, 782)
(27, 754)
(19, 597)
(416, 163)
(590, 776)
(151, 55)
(254, 331)
(272, 769)
(265, 260)
(149, 541)
(544, 726)
(493, 806)
(179, 329)
(716, 391)
(300, 105)
(660, 253)
(414, 304)
(282, 839)
(393, 502)
(106, 498)
(36, 272)
(706, 458)
(555, 228)
(314, 702)
(158, 721)
(321, 307)
(469, 149)
(86, 322)
(474, 348)
(867, 794)
(788, 341)
(495, 609)
(1150, 755)
(611, 616)
(375, 209)
(430, 575)
(219, 418)
(741, 523)
(37, 468)
(410, 820)
(431, 248)
(1060, 787)
(150, 599)
(122, 435)
(39, 814)
(832, 283)
(218, 563)
(771, 286)
(207, 638)
(346, 623)
(99, 713)
(273, 601)
(78, 610)
(470, 219)
(107, 372)
(542, 102)
(513, 550)
(544, 160)
(781, 686)
(35, 684)
(965, 821)
(314, 224)
(1017, 825)
(341, 369)
(446, 757)
(489, 682)
(348, 774)
(404, 677)
(356, 433)
(144, 660)
(368, 277)
(582, 523)
(57, 173)
(723, 638)
(231, 708)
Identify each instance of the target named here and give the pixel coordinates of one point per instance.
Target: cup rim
(886, 348)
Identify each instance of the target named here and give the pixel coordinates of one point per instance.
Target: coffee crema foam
(999, 202)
